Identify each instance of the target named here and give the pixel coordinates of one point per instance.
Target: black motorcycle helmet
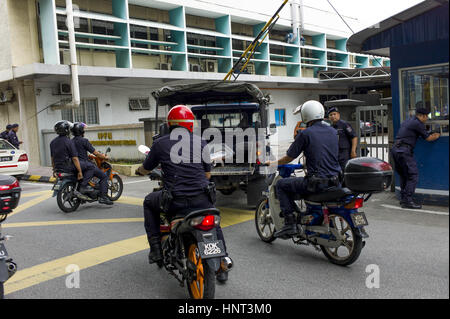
(62, 128)
(78, 129)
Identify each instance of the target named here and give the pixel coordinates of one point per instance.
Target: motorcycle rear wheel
(263, 221)
(354, 246)
(203, 286)
(65, 195)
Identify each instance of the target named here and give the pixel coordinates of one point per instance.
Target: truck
(227, 107)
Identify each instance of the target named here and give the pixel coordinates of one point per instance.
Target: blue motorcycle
(331, 221)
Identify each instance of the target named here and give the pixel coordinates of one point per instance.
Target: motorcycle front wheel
(203, 281)
(66, 199)
(265, 226)
(349, 252)
(115, 188)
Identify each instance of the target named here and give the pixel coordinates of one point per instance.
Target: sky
(368, 12)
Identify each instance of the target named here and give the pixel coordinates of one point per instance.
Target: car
(13, 161)
(366, 128)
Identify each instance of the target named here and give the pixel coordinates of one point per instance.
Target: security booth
(417, 42)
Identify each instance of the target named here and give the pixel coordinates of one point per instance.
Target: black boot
(411, 205)
(105, 200)
(155, 254)
(289, 229)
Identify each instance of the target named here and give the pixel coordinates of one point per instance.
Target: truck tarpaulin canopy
(209, 92)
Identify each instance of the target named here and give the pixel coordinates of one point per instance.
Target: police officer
(319, 142)
(4, 134)
(348, 141)
(12, 136)
(403, 155)
(187, 181)
(83, 146)
(63, 152)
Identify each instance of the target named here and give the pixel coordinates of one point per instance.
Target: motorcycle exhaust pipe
(12, 268)
(226, 264)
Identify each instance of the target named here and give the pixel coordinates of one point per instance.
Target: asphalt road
(410, 249)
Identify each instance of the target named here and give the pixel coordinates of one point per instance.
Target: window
(103, 27)
(87, 112)
(280, 117)
(139, 104)
(425, 87)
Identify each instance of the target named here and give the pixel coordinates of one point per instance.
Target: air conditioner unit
(6, 96)
(195, 68)
(165, 66)
(65, 89)
(211, 66)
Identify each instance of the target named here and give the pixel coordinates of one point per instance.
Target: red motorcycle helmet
(181, 115)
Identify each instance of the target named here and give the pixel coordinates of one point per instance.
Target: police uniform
(185, 180)
(403, 155)
(320, 144)
(62, 149)
(346, 134)
(4, 134)
(13, 139)
(89, 169)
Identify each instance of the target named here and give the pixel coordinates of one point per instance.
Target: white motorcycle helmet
(310, 111)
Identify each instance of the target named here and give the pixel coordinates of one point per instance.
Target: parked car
(366, 128)
(12, 160)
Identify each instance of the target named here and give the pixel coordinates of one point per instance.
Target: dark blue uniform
(4, 135)
(346, 134)
(320, 144)
(89, 169)
(403, 155)
(13, 139)
(186, 180)
(62, 149)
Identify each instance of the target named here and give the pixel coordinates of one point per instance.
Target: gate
(372, 129)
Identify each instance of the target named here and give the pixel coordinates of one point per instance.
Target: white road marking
(417, 210)
(36, 184)
(140, 181)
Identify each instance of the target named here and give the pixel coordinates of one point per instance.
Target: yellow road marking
(34, 194)
(131, 200)
(73, 222)
(45, 195)
(88, 258)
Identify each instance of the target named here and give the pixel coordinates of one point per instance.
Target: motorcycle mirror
(108, 150)
(143, 149)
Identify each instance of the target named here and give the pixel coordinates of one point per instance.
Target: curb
(38, 178)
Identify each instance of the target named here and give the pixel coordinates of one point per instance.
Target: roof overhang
(357, 77)
(355, 42)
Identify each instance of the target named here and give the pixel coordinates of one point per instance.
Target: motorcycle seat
(333, 193)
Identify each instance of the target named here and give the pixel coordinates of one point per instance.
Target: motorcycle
(331, 220)
(66, 187)
(192, 252)
(9, 199)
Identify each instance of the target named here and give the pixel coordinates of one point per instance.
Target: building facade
(127, 48)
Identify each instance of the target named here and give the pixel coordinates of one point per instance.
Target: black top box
(367, 175)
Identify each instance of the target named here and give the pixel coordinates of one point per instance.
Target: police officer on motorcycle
(403, 154)
(319, 142)
(83, 146)
(186, 183)
(63, 151)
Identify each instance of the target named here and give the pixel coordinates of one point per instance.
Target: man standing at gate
(403, 155)
(347, 137)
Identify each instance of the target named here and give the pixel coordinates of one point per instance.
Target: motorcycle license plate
(3, 252)
(211, 249)
(56, 186)
(359, 219)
